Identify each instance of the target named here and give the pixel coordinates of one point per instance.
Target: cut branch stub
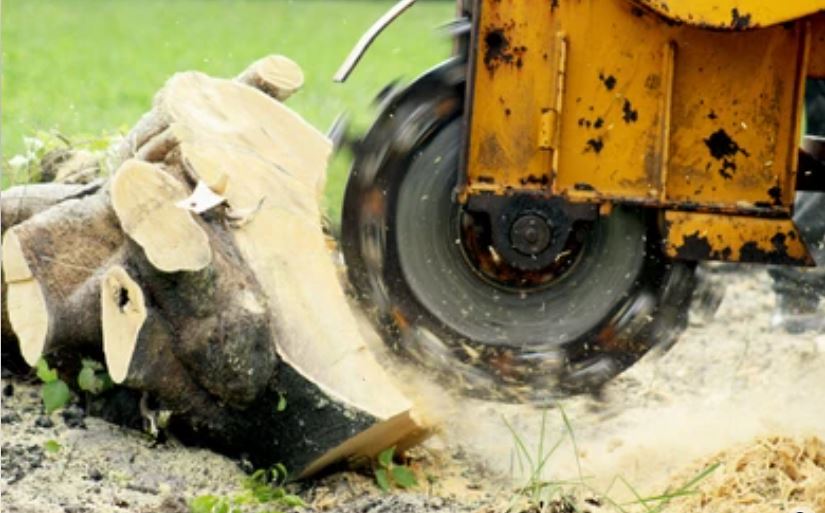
(275, 75)
(123, 312)
(51, 267)
(19, 204)
(138, 344)
(26, 307)
(144, 198)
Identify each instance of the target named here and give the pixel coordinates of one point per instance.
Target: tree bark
(19, 204)
(51, 264)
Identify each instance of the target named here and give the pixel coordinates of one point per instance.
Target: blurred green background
(83, 68)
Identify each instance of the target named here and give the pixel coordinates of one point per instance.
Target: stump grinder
(526, 218)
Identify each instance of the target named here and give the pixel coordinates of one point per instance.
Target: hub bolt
(530, 234)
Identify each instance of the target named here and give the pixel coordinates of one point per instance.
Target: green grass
(542, 494)
(86, 67)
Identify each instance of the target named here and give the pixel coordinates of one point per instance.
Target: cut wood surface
(51, 267)
(17, 205)
(201, 274)
(275, 75)
(145, 198)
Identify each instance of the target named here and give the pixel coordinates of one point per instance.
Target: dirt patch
(95, 466)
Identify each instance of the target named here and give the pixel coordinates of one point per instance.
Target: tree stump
(200, 274)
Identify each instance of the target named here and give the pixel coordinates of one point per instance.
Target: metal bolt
(530, 234)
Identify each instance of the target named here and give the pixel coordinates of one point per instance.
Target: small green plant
(93, 378)
(52, 446)
(209, 504)
(262, 491)
(27, 167)
(389, 474)
(55, 393)
(281, 403)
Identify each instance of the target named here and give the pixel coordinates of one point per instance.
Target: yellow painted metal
(548, 130)
(515, 71)
(601, 100)
(734, 14)
(735, 119)
(704, 236)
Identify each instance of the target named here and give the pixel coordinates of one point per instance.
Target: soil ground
(732, 391)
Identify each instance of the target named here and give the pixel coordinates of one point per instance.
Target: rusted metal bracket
(702, 236)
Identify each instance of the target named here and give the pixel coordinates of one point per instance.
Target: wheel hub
(531, 234)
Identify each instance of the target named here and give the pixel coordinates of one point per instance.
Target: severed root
(19, 204)
(51, 266)
(138, 342)
(27, 311)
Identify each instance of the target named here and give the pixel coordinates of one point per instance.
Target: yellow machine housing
(690, 106)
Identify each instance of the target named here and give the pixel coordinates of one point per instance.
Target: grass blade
(639, 498)
(569, 428)
(519, 442)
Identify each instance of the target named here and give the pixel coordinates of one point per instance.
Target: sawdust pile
(769, 475)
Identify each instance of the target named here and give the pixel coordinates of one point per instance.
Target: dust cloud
(728, 381)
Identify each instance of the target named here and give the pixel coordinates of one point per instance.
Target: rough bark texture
(23, 201)
(70, 166)
(17, 205)
(201, 273)
(51, 266)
